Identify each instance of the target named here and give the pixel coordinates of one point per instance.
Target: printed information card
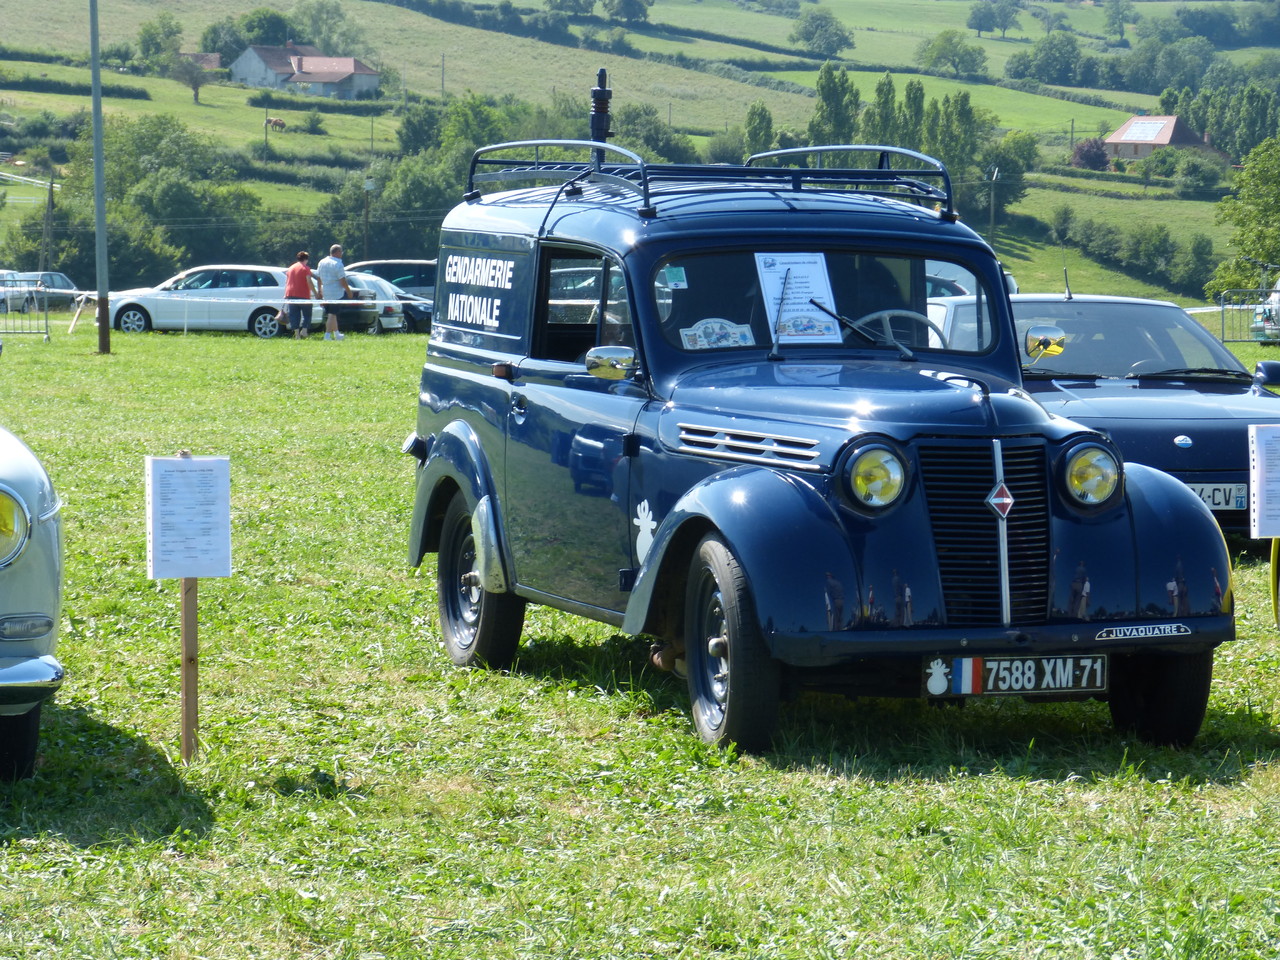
(1264, 480)
(188, 517)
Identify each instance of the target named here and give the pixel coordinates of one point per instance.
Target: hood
(1210, 423)
(133, 292)
(897, 398)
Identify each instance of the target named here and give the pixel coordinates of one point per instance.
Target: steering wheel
(884, 318)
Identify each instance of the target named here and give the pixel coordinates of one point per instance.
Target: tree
(879, 121)
(949, 49)
(1090, 154)
(1051, 20)
(1120, 12)
(266, 27)
(639, 128)
(818, 31)
(1251, 210)
(578, 8)
(189, 73)
(727, 147)
(758, 132)
(224, 38)
(419, 128)
(325, 24)
(628, 11)
(1006, 15)
(982, 17)
(159, 39)
(835, 116)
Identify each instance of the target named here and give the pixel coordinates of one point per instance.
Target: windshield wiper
(1182, 372)
(903, 352)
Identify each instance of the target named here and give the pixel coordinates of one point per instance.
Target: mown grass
(357, 796)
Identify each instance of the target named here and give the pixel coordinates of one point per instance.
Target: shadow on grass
(96, 783)
(888, 740)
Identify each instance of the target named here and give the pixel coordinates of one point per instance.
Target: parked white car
(214, 297)
(30, 601)
(377, 307)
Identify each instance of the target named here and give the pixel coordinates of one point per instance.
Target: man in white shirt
(333, 287)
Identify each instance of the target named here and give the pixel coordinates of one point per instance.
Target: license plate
(1223, 496)
(1014, 676)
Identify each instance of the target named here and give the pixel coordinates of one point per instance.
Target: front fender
(786, 537)
(1184, 568)
(455, 460)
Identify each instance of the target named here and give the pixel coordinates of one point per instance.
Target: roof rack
(927, 181)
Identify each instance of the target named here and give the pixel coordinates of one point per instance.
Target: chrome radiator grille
(958, 479)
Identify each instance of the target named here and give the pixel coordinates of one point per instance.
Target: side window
(582, 304)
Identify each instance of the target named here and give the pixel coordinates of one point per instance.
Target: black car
(706, 404)
(1157, 383)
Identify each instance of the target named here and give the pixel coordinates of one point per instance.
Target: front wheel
(734, 685)
(133, 320)
(479, 627)
(265, 324)
(1160, 697)
(19, 737)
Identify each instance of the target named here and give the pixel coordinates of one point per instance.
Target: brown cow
(275, 123)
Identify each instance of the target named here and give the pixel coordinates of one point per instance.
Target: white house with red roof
(300, 68)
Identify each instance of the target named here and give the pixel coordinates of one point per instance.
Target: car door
(184, 303)
(569, 436)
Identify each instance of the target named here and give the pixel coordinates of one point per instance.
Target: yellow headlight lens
(1092, 475)
(876, 477)
(13, 527)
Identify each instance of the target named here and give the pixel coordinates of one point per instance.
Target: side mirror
(611, 363)
(1044, 340)
(1266, 373)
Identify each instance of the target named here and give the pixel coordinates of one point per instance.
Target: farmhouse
(1140, 136)
(299, 68)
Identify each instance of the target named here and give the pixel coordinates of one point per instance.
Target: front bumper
(1186, 635)
(26, 681)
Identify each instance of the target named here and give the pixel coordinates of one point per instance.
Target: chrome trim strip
(28, 680)
(1006, 595)
(52, 511)
(484, 529)
(749, 446)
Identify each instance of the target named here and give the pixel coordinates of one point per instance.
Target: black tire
(133, 319)
(1160, 697)
(263, 324)
(734, 685)
(19, 737)
(479, 628)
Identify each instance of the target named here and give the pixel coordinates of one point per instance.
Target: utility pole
(991, 231)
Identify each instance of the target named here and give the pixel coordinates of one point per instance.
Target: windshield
(734, 300)
(1112, 338)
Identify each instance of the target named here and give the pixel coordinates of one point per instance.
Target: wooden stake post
(189, 536)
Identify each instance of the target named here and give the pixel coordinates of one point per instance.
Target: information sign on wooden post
(188, 537)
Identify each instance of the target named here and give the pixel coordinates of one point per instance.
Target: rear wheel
(1160, 697)
(734, 685)
(265, 324)
(479, 627)
(133, 320)
(19, 737)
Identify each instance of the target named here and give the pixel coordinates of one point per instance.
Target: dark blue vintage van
(706, 404)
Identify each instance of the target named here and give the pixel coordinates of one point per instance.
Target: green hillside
(437, 58)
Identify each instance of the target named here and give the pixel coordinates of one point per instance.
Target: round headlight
(1092, 475)
(876, 477)
(15, 524)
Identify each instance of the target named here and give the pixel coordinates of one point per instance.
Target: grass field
(358, 797)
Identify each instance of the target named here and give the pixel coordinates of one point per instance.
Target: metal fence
(24, 309)
(1234, 315)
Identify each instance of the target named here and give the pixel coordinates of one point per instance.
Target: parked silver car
(30, 600)
(215, 297)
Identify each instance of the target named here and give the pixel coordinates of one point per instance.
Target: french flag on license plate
(966, 675)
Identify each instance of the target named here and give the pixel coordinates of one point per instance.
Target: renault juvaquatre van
(706, 404)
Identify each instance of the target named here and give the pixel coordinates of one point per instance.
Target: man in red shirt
(300, 287)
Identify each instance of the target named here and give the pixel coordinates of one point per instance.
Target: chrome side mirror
(1044, 340)
(611, 363)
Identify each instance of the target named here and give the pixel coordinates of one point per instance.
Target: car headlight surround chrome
(875, 475)
(15, 526)
(1091, 474)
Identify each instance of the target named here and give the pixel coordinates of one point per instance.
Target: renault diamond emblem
(1000, 500)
